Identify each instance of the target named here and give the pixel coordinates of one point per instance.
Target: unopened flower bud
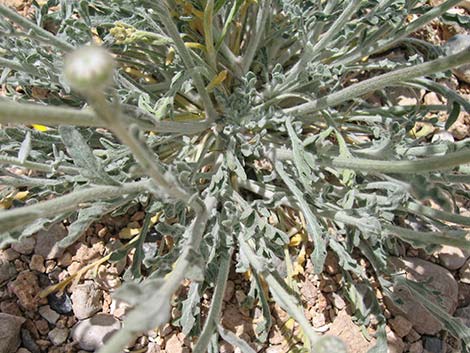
(89, 69)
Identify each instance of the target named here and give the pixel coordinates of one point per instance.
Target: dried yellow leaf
(296, 240)
(39, 127)
(21, 195)
(170, 56)
(128, 233)
(217, 80)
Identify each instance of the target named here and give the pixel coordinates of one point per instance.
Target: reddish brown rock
(344, 328)
(26, 288)
(173, 344)
(37, 263)
(437, 279)
(400, 326)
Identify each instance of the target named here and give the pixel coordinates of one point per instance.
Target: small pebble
(25, 246)
(416, 347)
(10, 327)
(86, 300)
(7, 271)
(37, 263)
(22, 350)
(58, 336)
(400, 325)
(60, 304)
(92, 333)
(29, 342)
(47, 244)
(42, 326)
(47, 313)
(433, 344)
(455, 45)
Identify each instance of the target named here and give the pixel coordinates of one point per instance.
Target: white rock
(173, 345)
(442, 136)
(452, 257)
(395, 343)
(58, 336)
(86, 300)
(92, 333)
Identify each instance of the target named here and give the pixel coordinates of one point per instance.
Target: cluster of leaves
(248, 107)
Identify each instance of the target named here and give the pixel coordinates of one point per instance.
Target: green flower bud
(89, 68)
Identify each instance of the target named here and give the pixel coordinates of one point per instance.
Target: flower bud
(89, 68)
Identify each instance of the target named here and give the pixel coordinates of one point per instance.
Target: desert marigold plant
(253, 133)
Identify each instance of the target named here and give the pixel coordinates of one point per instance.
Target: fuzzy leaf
(190, 309)
(313, 227)
(83, 157)
(25, 148)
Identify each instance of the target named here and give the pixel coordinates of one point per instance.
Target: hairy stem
(30, 113)
(208, 34)
(379, 82)
(167, 21)
(326, 38)
(41, 167)
(35, 30)
(141, 152)
(71, 202)
(385, 44)
(418, 166)
(255, 39)
(216, 304)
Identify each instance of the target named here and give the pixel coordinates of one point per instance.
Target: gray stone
(464, 294)
(58, 336)
(92, 333)
(464, 314)
(437, 279)
(455, 45)
(29, 342)
(86, 300)
(433, 344)
(25, 246)
(452, 257)
(465, 272)
(48, 314)
(47, 242)
(10, 327)
(7, 271)
(60, 303)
